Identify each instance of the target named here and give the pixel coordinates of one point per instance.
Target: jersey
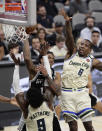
(37, 81)
(39, 119)
(75, 71)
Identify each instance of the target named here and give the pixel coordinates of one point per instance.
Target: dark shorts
(56, 125)
(24, 127)
(93, 100)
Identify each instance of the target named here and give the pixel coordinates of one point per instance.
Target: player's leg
(85, 112)
(88, 126)
(69, 110)
(73, 125)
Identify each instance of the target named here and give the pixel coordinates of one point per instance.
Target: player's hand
(13, 101)
(16, 60)
(42, 69)
(44, 48)
(64, 14)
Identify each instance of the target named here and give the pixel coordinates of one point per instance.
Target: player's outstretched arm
(27, 58)
(16, 76)
(27, 55)
(69, 36)
(18, 92)
(97, 64)
(8, 100)
(4, 99)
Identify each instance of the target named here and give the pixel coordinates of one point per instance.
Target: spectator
(58, 31)
(59, 49)
(90, 26)
(67, 6)
(97, 47)
(42, 35)
(2, 39)
(78, 6)
(35, 48)
(14, 48)
(50, 7)
(2, 51)
(44, 19)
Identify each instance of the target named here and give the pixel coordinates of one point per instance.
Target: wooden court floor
(97, 123)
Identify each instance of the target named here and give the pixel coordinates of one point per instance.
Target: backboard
(18, 12)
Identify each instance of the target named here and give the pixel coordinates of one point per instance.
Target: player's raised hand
(42, 69)
(16, 60)
(64, 14)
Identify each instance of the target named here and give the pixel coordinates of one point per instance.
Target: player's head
(50, 57)
(85, 48)
(34, 97)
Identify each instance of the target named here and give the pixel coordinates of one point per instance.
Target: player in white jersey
(75, 100)
(38, 85)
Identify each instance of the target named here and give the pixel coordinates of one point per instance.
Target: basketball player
(38, 82)
(95, 102)
(75, 100)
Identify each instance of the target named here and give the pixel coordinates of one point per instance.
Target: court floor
(97, 123)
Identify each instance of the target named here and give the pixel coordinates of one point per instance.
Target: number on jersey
(80, 72)
(41, 125)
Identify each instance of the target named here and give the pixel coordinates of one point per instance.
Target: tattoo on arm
(52, 85)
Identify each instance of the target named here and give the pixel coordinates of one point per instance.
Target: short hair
(91, 44)
(58, 24)
(89, 17)
(95, 31)
(49, 52)
(12, 45)
(35, 37)
(34, 97)
(40, 30)
(60, 38)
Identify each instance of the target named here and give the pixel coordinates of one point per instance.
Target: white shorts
(76, 104)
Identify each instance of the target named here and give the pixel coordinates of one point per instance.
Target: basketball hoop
(15, 17)
(14, 33)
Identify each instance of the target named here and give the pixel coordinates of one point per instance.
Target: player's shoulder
(91, 56)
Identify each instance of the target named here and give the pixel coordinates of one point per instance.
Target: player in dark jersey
(37, 78)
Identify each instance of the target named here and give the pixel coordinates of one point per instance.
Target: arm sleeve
(16, 80)
(47, 65)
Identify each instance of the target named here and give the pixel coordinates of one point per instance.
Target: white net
(14, 33)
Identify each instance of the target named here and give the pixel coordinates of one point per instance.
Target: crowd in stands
(50, 28)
